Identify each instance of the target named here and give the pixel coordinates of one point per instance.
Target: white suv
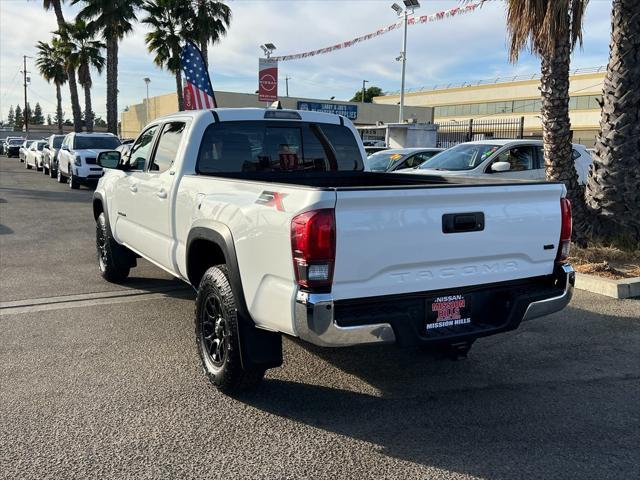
(77, 162)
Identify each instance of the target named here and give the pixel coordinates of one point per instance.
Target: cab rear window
(277, 146)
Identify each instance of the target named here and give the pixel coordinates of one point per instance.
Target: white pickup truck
(271, 218)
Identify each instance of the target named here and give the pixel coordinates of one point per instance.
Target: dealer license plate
(448, 312)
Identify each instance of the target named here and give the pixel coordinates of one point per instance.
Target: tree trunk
(556, 130)
(75, 102)
(204, 48)
(179, 90)
(613, 186)
(59, 107)
(88, 111)
(112, 85)
(57, 8)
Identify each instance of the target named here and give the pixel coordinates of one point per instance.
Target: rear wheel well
(202, 255)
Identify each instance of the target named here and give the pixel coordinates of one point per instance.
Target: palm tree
(210, 22)
(52, 67)
(614, 182)
(84, 53)
(551, 29)
(113, 19)
(168, 20)
(56, 5)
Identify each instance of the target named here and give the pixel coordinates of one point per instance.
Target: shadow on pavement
(516, 410)
(40, 195)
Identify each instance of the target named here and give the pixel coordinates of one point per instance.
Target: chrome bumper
(315, 324)
(567, 277)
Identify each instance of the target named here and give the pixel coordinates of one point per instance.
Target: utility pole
(286, 81)
(363, 90)
(26, 103)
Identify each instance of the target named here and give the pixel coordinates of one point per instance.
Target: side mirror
(109, 159)
(65, 148)
(501, 167)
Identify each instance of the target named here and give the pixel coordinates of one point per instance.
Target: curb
(625, 288)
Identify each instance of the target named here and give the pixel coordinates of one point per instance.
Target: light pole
(364, 89)
(147, 80)
(410, 7)
(286, 80)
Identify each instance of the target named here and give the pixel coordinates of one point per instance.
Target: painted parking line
(90, 299)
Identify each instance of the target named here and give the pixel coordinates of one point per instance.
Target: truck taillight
(565, 230)
(313, 245)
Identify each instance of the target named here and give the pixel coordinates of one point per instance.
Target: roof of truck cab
(252, 113)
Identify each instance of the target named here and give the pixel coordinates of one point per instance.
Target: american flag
(198, 93)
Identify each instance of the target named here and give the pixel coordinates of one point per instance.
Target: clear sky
(460, 49)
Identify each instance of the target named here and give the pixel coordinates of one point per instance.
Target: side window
(575, 154)
(520, 158)
(168, 145)
(141, 149)
(413, 161)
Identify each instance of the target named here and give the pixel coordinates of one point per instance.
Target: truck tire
(73, 181)
(61, 178)
(109, 253)
(217, 334)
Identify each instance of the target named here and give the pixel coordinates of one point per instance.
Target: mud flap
(259, 348)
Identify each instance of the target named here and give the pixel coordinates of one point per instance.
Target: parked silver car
(399, 158)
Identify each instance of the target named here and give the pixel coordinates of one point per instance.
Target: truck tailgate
(393, 241)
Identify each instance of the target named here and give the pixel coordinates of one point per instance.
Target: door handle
(133, 188)
(162, 193)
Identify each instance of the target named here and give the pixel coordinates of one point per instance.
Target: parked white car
(519, 159)
(50, 155)
(270, 215)
(77, 162)
(23, 149)
(33, 155)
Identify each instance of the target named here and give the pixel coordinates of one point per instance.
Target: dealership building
(509, 98)
(135, 117)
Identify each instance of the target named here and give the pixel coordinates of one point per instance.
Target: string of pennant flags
(443, 15)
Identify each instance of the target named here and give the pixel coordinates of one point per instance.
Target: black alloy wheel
(214, 332)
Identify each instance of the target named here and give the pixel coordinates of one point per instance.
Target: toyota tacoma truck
(270, 216)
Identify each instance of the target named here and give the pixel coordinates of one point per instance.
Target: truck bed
(358, 180)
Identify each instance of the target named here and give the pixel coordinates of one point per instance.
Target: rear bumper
(322, 321)
(565, 276)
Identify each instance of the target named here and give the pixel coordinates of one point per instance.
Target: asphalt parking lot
(103, 381)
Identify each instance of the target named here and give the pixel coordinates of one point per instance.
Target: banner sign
(445, 14)
(197, 92)
(348, 111)
(268, 80)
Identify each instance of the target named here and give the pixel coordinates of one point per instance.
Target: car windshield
(465, 156)
(16, 141)
(95, 143)
(57, 141)
(41, 145)
(382, 161)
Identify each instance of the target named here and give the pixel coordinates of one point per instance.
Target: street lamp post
(147, 80)
(268, 49)
(411, 6)
(363, 90)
